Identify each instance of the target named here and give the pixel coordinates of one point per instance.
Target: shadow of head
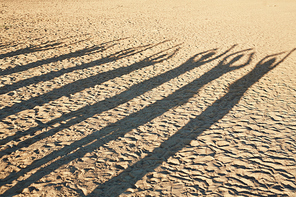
(201, 57)
(271, 61)
(209, 55)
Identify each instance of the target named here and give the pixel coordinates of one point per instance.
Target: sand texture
(147, 98)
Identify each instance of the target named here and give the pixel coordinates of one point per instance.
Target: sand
(147, 98)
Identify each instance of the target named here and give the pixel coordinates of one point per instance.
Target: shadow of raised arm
(117, 185)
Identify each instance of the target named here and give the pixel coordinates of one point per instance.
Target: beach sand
(147, 98)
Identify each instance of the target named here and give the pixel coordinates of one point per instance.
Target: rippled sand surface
(147, 98)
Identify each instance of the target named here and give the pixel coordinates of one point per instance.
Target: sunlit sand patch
(111, 98)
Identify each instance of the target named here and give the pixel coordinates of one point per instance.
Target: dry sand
(148, 98)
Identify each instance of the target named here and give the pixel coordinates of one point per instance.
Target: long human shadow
(13, 44)
(138, 89)
(78, 53)
(156, 58)
(120, 128)
(31, 49)
(35, 48)
(80, 84)
(97, 49)
(204, 121)
(85, 112)
(53, 74)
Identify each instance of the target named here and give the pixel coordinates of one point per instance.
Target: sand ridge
(147, 98)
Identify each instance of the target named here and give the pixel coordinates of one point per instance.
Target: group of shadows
(118, 129)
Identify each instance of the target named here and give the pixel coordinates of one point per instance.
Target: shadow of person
(151, 60)
(86, 112)
(168, 148)
(110, 103)
(31, 49)
(80, 84)
(53, 74)
(54, 44)
(128, 123)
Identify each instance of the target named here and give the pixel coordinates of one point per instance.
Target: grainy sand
(148, 98)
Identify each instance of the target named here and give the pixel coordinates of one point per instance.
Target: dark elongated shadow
(34, 48)
(220, 108)
(13, 44)
(78, 53)
(123, 126)
(84, 113)
(31, 50)
(81, 84)
(152, 60)
(138, 89)
(53, 74)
